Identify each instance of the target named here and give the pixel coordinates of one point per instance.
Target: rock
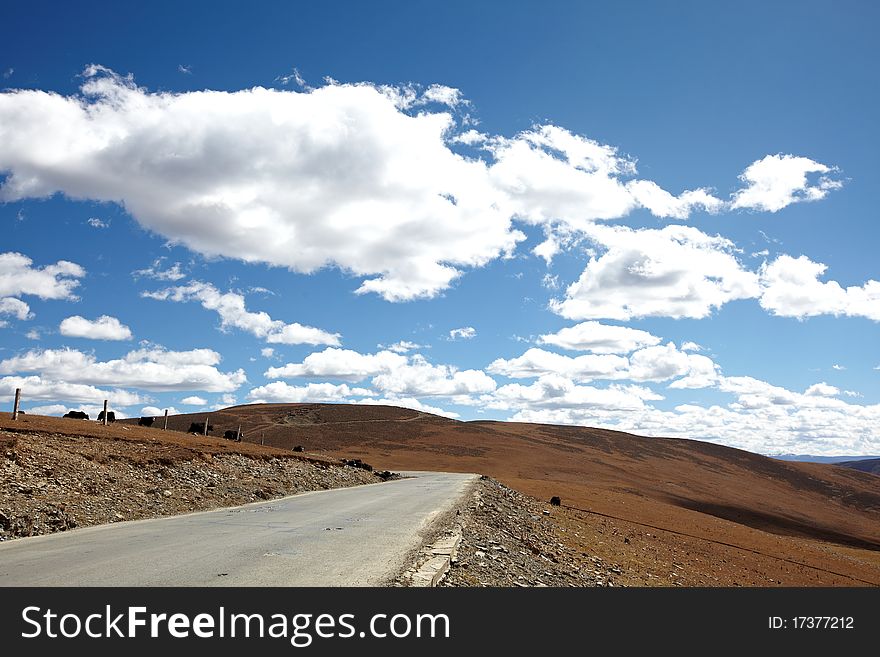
(167, 493)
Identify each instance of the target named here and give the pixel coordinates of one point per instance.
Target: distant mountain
(806, 458)
(865, 465)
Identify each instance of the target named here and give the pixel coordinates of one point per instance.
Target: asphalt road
(357, 536)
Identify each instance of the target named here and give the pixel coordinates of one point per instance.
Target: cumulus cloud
(234, 314)
(599, 338)
(777, 181)
(93, 410)
(656, 363)
(553, 391)
(763, 418)
(343, 364)
(12, 307)
(43, 389)
(362, 177)
(463, 333)
(267, 352)
(194, 401)
(675, 271)
(279, 392)
(394, 375)
(18, 275)
(538, 362)
(151, 368)
(148, 411)
(95, 222)
(103, 328)
(661, 203)
(791, 288)
(419, 378)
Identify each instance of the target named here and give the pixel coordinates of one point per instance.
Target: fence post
(105, 413)
(261, 437)
(206, 427)
(165, 425)
(15, 405)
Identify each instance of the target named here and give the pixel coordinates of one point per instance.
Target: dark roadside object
(555, 501)
(232, 435)
(199, 427)
(111, 416)
(76, 415)
(298, 448)
(387, 475)
(146, 422)
(357, 463)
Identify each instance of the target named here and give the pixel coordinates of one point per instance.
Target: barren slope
(733, 516)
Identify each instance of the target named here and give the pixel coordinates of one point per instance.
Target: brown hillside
(734, 516)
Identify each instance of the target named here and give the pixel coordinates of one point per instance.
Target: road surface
(357, 536)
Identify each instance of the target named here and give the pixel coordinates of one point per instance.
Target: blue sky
(652, 217)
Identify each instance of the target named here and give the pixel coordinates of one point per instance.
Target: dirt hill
(669, 510)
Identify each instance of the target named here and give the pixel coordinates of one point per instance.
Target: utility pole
(105, 413)
(165, 425)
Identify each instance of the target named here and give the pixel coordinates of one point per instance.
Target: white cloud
(194, 401)
(438, 93)
(676, 271)
(822, 390)
(234, 314)
(838, 367)
(553, 391)
(777, 181)
(791, 288)
(267, 352)
(49, 409)
(186, 69)
(664, 362)
(18, 276)
(764, 418)
(656, 363)
(103, 328)
(153, 411)
(403, 346)
(537, 362)
(356, 176)
(470, 138)
(420, 378)
(296, 77)
(343, 364)
(691, 346)
(463, 333)
(93, 410)
(600, 338)
(279, 392)
(33, 334)
(12, 307)
(155, 271)
(95, 222)
(661, 203)
(338, 176)
(152, 368)
(40, 388)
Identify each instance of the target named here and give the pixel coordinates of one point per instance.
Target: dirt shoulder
(55, 475)
(510, 539)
